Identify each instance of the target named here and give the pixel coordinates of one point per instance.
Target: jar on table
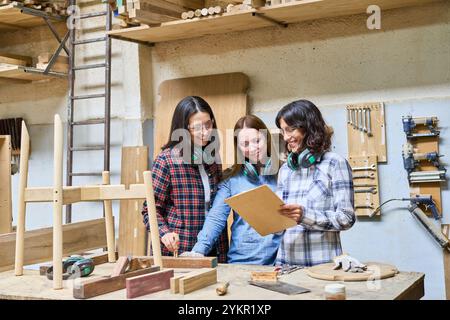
(335, 292)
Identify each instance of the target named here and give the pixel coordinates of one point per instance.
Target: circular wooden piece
(375, 271)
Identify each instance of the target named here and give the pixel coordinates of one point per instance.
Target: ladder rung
(89, 40)
(88, 122)
(85, 174)
(91, 15)
(89, 96)
(87, 148)
(90, 66)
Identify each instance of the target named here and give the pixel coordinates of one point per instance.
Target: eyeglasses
(288, 130)
(197, 127)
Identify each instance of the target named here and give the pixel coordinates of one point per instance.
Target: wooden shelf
(26, 73)
(291, 12)
(15, 17)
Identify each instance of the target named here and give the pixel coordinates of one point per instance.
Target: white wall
(335, 62)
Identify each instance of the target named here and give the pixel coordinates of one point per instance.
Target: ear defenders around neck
(303, 160)
(199, 156)
(250, 171)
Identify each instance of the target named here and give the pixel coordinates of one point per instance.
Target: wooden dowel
(23, 178)
(57, 203)
(109, 221)
(151, 209)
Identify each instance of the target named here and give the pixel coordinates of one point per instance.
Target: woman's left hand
(293, 211)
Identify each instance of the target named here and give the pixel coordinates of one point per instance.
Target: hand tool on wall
(411, 159)
(427, 176)
(421, 217)
(372, 190)
(410, 123)
(366, 168)
(365, 176)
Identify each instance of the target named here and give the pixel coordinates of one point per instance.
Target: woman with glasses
(256, 163)
(316, 186)
(185, 178)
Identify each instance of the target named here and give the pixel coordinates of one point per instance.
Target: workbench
(405, 285)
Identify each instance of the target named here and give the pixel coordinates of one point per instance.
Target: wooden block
(175, 284)
(15, 59)
(198, 281)
(120, 267)
(132, 232)
(77, 237)
(264, 276)
(148, 283)
(185, 262)
(96, 287)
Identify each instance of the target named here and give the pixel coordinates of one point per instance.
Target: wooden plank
(77, 237)
(11, 17)
(5, 185)
(120, 267)
(175, 284)
(185, 262)
(132, 232)
(225, 93)
(198, 281)
(446, 231)
(292, 12)
(148, 283)
(21, 73)
(96, 287)
(15, 59)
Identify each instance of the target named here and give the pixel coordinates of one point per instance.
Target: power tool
(76, 265)
(420, 216)
(410, 123)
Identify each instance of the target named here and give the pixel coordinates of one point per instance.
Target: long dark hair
(304, 114)
(183, 112)
(252, 122)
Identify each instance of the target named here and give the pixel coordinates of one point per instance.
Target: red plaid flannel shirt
(180, 200)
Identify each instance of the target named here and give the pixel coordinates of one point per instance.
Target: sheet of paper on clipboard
(259, 208)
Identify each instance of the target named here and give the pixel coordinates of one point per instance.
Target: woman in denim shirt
(254, 166)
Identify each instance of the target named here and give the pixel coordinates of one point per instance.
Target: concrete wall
(335, 62)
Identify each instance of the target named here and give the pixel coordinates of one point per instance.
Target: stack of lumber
(61, 64)
(7, 60)
(54, 7)
(154, 12)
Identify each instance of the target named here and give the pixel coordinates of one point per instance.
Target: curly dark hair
(305, 114)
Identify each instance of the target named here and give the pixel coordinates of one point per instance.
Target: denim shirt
(247, 246)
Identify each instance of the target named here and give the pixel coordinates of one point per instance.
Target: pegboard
(365, 180)
(366, 132)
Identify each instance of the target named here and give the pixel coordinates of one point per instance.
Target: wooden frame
(60, 195)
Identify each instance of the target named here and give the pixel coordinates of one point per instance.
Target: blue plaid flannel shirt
(325, 191)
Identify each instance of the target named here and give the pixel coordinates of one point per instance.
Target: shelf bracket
(144, 43)
(56, 54)
(273, 21)
(53, 30)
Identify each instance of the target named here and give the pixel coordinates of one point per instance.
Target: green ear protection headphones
(303, 160)
(199, 153)
(250, 171)
(74, 265)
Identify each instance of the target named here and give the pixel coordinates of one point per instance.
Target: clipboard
(259, 208)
